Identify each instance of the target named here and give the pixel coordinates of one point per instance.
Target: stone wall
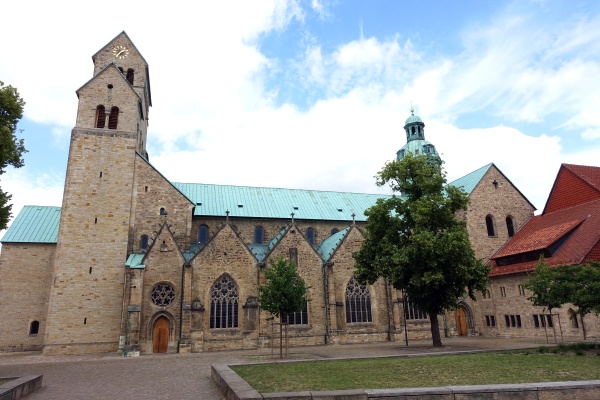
(26, 271)
(500, 200)
(509, 299)
(86, 293)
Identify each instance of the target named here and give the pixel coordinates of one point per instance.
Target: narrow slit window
(203, 234)
(489, 222)
(258, 235)
(144, 242)
(310, 235)
(510, 226)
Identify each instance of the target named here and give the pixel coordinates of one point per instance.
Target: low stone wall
(235, 388)
(20, 387)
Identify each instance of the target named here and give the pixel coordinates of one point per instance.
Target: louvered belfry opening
(130, 76)
(100, 117)
(113, 120)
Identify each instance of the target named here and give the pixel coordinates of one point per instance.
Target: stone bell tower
(85, 306)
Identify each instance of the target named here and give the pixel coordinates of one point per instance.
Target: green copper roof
(135, 261)
(469, 181)
(412, 119)
(417, 147)
(330, 245)
(34, 224)
(257, 202)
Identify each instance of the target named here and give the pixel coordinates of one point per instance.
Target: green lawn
(468, 369)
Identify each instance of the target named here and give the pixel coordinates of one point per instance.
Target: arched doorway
(464, 320)
(160, 337)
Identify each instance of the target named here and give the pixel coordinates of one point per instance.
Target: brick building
(132, 261)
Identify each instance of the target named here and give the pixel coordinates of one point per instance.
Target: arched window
(34, 328)
(100, 117)
(163, 211)
(224, 304)
(130, 76)
(358, 302)
(203, 234)
(113, 119)
(258, 235)
(413, 130)
(310, 235)
(334, 231)
(573, 318)
(144, 242)
(510, 226)
(297, 317)
(489, 222)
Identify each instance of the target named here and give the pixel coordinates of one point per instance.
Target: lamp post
(405, 302)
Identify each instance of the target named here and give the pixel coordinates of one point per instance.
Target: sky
(314, 94)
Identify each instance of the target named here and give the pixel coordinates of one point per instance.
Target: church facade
(135, 263)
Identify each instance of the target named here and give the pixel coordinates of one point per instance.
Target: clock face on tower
(120, 51)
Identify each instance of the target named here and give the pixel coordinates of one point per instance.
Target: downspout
(181, 305)
(326, 298)
(259, 266)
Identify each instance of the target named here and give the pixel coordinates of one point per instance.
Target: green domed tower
(415, 140)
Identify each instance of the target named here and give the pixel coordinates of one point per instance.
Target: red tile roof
(542, 231)
(589, 174)
(574, 184)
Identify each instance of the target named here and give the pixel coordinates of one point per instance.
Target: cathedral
(135, 263)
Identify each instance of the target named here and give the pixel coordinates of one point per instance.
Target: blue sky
(314, 94)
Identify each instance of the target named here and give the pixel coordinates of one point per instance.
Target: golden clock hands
(119, 53)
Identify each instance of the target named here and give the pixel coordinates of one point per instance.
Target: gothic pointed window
(100, 117)
(130, 76)
(203, 234)
(510, 226)
(358, 302)
(224, 301)
(113, 119)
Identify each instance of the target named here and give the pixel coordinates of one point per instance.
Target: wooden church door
(160, 338)
(461, 322)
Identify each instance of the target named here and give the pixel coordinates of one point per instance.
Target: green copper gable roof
(330, 245)
(34, 224)
(469, 181)
(258, 202)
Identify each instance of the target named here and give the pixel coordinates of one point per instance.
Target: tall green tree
(415, 241)
(546, 291)
(11, 148)
(284, 291)
(577, 284)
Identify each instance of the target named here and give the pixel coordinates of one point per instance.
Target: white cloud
(217, 118)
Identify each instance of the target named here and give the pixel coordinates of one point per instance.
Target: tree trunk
(583, 327)
(435, 330)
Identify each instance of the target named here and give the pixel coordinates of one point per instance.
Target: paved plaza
(187, 376)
